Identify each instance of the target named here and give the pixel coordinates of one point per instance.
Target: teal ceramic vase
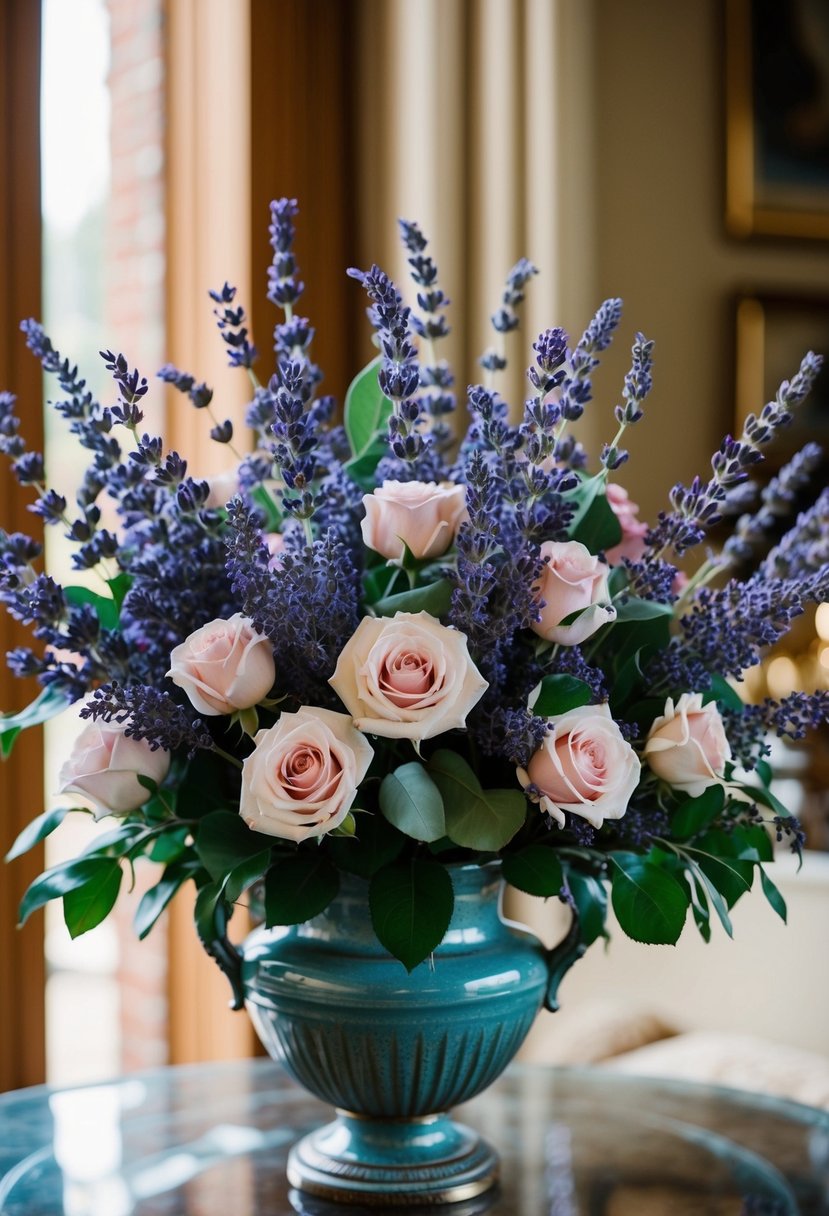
(393, 1051)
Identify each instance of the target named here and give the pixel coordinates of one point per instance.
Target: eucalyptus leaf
(411, 906)
(649, 903)
(299, 887)
(484, 820)
(86, 906)
(535, 869)
(37, 830)
(367, 410)
(411, 801)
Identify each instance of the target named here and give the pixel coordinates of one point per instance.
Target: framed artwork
(774, 332)
(777, 120)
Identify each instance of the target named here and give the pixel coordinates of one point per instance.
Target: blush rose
(584, 766)
(573, 580)
(302, 776)
(634, 531)
(422, 514)
(407, 677)
(224, 666)
(687, 745)
(104, 766)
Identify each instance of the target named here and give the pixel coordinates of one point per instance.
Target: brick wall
(135, 262)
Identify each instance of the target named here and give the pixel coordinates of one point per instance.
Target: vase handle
(220, 948)
(561, 958)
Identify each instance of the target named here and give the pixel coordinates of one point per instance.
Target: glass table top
(212, 1140)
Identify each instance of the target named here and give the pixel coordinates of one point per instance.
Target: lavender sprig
(284, 288)
(638, 383)
(232, 326)
(778, 498)
(150, 714)
(805, 547)
(436, 377)
(577, 386)
(505, 318)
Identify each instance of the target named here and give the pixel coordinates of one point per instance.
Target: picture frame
(773, 332)
(777, 118)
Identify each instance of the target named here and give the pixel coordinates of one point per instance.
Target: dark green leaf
(594, 523)
(763, 769)
(154, 901)
(58, 881)
(204, 787)
(476, 819)
(724, 693)
(119, 586)
(246, 873)
(434, 598)
(411, 801)
(411, 905)
(169, 845)
(106, 609)
(115, 843)
(628, 674)
(210, 912)
(765, 798)
(535, 869)
(649, 903)
(697, 813)
(647, 637)
(362, 469)
(557, 694)
(773, 895)
(617, 580)
(299, 887)
(45, 706)
(590, 895)
(635, 609)
(717, 900)
(731, 878)
(86, 906)
(378, 580)
(753, 843)
(223, 841)
(36, 831)
(376, 844)
(366, 410)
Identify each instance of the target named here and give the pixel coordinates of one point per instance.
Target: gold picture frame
(773, 332)
(777, 118)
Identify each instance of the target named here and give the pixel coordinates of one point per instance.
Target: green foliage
(375, 844)
(86, 906)
(590, 897)
(594, 523)
(773, 895)
(411, 905)
(59, 880)
(650, 904)
(154, 901)
(365, 415)
(695, 814)
(36, 831)
(411, 801)
(224, 841)
(559, 693)
(299, 887)
(484, 820)
(434, 598)
(44, 707)
(535, 869)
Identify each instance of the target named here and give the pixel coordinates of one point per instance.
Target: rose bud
(224, 666)
(105, 765)
(407, 677)
(422, 514)
(573, 580)
(687, 745)
(632, 544)
(584, 766)
(302, 776)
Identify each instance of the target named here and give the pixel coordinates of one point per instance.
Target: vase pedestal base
(393, 1162)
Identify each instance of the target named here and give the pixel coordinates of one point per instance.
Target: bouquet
(391, 648)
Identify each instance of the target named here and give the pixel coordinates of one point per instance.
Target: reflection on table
(212, 1140)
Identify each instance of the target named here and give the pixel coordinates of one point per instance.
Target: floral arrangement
(386, 650)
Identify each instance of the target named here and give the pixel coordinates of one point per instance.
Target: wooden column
(22, 969)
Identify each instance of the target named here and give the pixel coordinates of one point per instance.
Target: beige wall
(660, 243)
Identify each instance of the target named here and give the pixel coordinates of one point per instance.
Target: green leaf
(154, 901)
(773, 895)
(557, 694)
(724, 693)
(594, 523)
(119, 586)
(366, 410)
(411, 905)
(375, 845)
(47, 705)
(765, 798)
(210, 912)
(269, 507)
(58, 881)
(646, 637)
(411, 801)
(106, 609)
(204, 787)
(434, 598)
(36, 831)
(378, 579)
(731, 878)
(697, 813)
(86, 906)
(223, 841)
(475, 818)
(649, 903)
(635, 609)
(716, 899)
(169, 845)
(299, 887)
(246, 873)
(115, 843)
(590, 895)
(534, 869)
(763, 770)
(752, 842)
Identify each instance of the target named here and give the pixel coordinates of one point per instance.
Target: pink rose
(224, 666)
(302, 776)
(573, 580)
(421, 513)
(407, 677)
(585, 766)
(687, 746)
(632, 544)
(104, 766)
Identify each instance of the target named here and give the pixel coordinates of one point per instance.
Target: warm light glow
(822, 622)
(754, 685)
(782, 677)
(823, 655)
